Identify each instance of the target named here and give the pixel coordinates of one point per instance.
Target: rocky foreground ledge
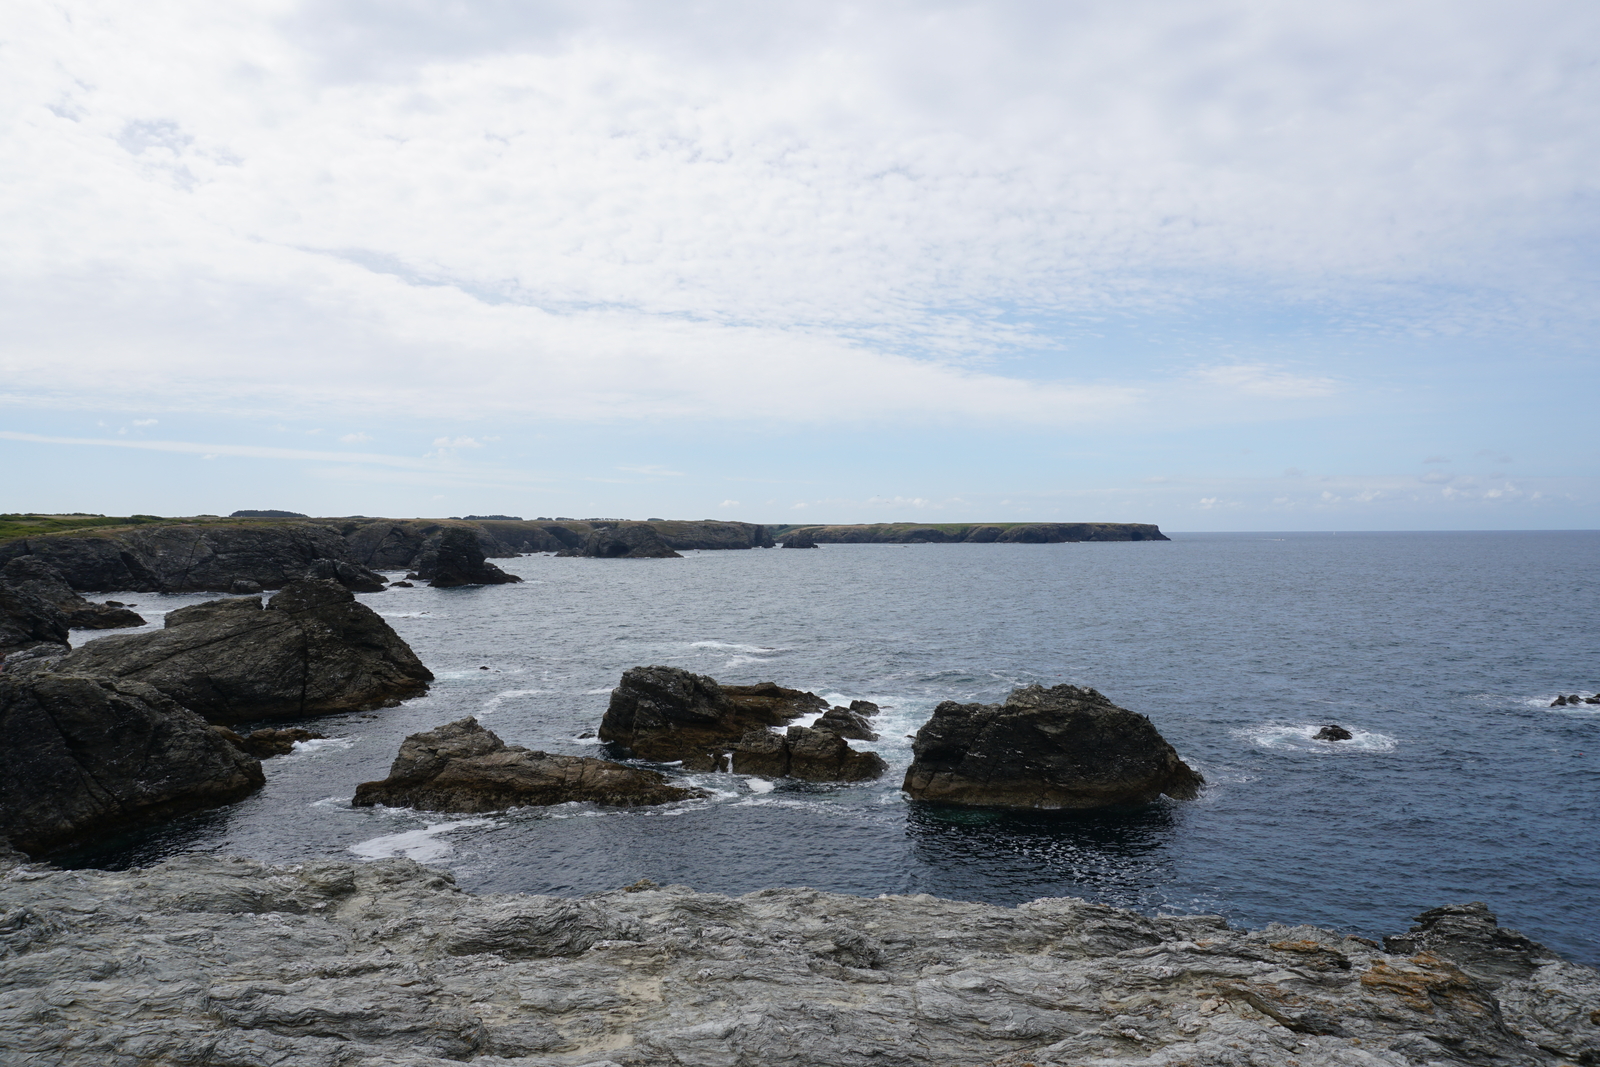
(208, 960)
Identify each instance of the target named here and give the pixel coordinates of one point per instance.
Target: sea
(1440, 652)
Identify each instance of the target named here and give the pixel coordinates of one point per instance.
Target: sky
(1212, 264)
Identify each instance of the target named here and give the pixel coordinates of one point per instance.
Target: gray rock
(205, 959)
(352, 576)
(458, 559)
(669, 715)
(245, 587)
(463, 767)
(89, 756)
(31, 575)
(272, 741)
(1333, 732)
(799, 539)
(312, 650)
(848, 722)
(806, 753)
(1062, 747)
(628, 540)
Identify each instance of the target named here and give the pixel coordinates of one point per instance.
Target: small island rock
(667, 714)
(1062, 747)
(352, 576)
(459, 560)
(1332, 732)
(804, 752)
(463, 767)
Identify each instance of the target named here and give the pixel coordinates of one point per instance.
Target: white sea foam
(492, 705)
(596, 692)
(760, 785)
(321, 744)
(728, 646)
(421, 845)
(1301, 737)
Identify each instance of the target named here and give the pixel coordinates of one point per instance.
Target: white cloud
(728, 504)
(456, 442)
(145, 422)
(652, 471)
(355, 438)
(817, 212)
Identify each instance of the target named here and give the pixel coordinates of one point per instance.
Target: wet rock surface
(272, 741)
(1332, 732)
(85, 756)
(463, 767)
(313, 649)
(667, 714)
(458, 559)
(804, 752)
(211, 960)
(1062, 747)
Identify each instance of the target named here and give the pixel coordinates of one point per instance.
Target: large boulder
(28, 620)
(667, 714)
(312, 650)
(804, 752)
(88, 756)
(459, 560)
(463, 767)
(630, 540)
(1062, 747)
(38, 578)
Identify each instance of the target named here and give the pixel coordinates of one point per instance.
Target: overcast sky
(1216, 264)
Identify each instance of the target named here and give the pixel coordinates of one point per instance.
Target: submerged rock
(1062, 747)
(1332, 732)
(88, 756)
(207, 959)
(463, 767)
(272, 741)
(667, 714)
(312, 650)
(459, 560)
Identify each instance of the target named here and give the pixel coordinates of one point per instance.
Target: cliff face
(1032, 533)
(211, 556)
(212, 960)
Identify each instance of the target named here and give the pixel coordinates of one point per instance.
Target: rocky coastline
(1005, 533)
(213, 960)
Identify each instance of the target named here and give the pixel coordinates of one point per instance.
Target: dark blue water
(1440, 651)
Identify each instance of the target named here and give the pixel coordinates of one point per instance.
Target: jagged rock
(27, 620)
(459, 560)
(1062, 747)
(207, 959)
(312, 650)
(271, 741)
(1333, 732)
(401, 585)
(667, 714)
(31, 575)
(630, 540)
(849, 722)
(806, 753)
(87, 756)
(352, 576)
(463, 767)
(245, 587)
(799, 539)
(43, 657)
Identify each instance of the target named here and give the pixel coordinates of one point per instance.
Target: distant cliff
(1028, 533)
(148, 554)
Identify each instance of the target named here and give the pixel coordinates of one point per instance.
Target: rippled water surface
(1440, 652)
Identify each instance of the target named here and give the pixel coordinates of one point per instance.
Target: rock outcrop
(629, 540)
(271, 741)
(36, 577)
(28, 620)
(1332, 732)
(213, 960)
(312, 650)
(804, 752)
(87, 756)
(850, 722)
(800, 539)
(458, 559)
(463, 767)
(1062, 747)
(352, 576)
(668, 715)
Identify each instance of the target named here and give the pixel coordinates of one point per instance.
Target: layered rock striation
(211, 960)
(87, 756)
(463, 767)
(313, 649)
(1062, 747)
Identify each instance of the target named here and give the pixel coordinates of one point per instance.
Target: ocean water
(1440, 651)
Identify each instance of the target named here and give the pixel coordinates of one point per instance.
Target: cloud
(823, 212)
(456, 442)
(728, 504)
(355, 438)
(211, 451)
(145, 422)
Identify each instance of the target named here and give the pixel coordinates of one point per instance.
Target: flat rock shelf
(211, 960)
